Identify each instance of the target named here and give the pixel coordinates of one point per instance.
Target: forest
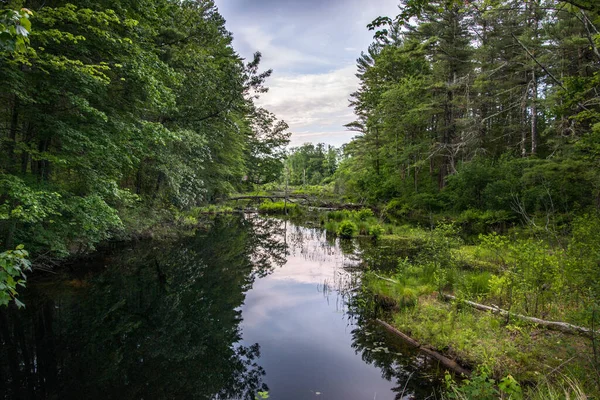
(477, 145)
(115, 111)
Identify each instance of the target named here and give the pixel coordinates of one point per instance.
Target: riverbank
(499, 271)
(528, 272)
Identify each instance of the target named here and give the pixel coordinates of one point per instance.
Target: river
(247, 307)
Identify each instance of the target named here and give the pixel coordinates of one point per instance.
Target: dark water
(248, 305)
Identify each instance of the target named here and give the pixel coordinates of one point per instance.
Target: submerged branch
(445, 361)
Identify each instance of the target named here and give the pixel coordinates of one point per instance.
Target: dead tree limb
(445, 361)
(564, 327)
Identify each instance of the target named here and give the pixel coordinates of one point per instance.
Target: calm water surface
(247, 305)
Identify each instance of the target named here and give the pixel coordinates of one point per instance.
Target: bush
(376, 230)
(477, 283)
(407, 297)
(364, 214)
(338, 215)
(189, 221)
(395, 210)
(363, 227)
(347, 229)
(477, 222)
(13, 265)
(481, 386)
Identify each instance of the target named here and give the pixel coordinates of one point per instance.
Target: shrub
(395, 210)
(364, 214)
(481, 386)
(189, 221)
(347, 229)
(478, 283)
(331, 226)
(338, 215)
(376, 230)
(13, 265)
(407, 297)
(363, 228)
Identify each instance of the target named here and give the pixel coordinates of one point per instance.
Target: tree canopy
(486, 105)
(114, 104)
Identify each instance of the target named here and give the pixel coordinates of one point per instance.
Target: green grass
(476, 257)
(279, 208)
(477, 338)
(364, 221)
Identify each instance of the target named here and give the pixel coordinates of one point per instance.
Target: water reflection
(249, 304)
(313, 327)
(154, 323)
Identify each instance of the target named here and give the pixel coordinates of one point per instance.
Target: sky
(312, 47)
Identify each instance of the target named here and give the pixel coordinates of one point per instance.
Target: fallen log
(386, 279)
(291, 196)
(564, 327)
(445, 361)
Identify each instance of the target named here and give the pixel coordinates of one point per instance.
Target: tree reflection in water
(155, 321)
(415, 375)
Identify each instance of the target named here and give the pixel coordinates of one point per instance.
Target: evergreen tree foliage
(479, 105)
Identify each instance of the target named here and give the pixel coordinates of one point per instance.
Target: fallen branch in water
(445, 361)
(564, 327)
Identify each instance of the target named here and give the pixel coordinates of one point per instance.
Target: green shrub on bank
(475, 221)
(331, 226)
(398, 295)
(376, 231)
(396, 210)
(481, 386)
(364, 221)
(347, 229)
(364, 214)
(13, 267)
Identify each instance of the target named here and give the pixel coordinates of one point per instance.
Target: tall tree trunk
(523, 143)
(534, 119)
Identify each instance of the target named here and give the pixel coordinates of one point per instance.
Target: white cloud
(312, 47)
(314, 105)
(275, 56)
